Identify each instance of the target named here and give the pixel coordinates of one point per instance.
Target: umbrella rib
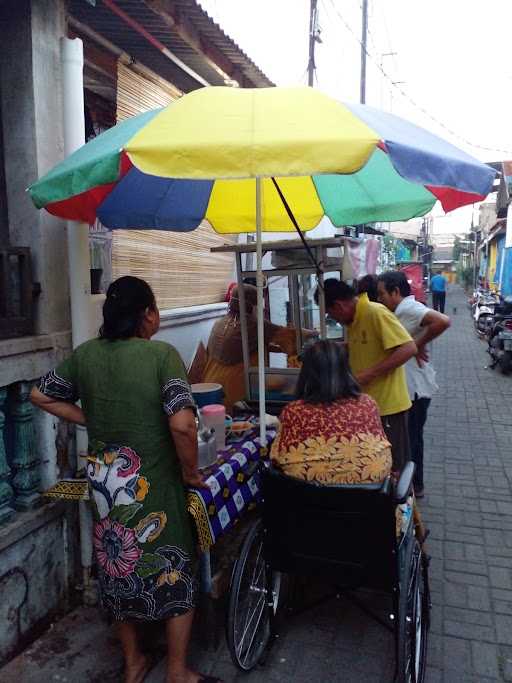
(296, 226)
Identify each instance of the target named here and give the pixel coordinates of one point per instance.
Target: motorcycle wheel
(483, 323)
(505, 362)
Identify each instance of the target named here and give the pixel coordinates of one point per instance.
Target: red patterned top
(337, 443)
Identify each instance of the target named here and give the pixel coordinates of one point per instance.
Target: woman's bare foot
(136, 672)
(186, 676)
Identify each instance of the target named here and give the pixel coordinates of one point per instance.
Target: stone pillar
(6, 492)
(25, 461)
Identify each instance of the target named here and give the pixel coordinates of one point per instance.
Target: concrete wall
(37, 562)
(31, 105)
(184, 328)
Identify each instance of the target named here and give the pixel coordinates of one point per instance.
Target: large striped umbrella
(198, 157)
(224, 154)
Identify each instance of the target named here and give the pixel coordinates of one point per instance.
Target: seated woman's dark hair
(127, 300)
(325, 376)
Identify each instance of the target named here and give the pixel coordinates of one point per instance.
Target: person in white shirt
(424, 325)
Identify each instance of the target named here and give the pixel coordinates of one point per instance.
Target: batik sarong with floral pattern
(139, 577)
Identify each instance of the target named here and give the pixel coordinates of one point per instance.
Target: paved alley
(468, 508)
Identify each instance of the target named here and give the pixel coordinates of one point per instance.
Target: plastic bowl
(207, 393)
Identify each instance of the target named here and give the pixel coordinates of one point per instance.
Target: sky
(451, 60)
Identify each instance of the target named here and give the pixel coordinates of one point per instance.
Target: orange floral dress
(337, 443)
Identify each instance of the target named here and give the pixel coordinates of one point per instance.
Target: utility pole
(314, 37)
(364, 37)
(474, 234)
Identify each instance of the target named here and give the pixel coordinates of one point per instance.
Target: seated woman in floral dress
(139, 413)
(333, 433)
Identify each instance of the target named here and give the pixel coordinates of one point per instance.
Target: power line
(388, 36)
(407, 97)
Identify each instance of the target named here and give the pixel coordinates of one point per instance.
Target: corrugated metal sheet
(105, 22)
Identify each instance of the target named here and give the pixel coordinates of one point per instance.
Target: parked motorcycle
(484, 304)
(499, 337)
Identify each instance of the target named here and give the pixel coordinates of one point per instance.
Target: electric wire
(407, 97)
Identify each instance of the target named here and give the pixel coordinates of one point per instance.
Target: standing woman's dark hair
(325, 376)
(368, 284)
(128, 298)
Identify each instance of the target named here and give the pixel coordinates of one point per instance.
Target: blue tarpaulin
(499, 251)
(506, 282)
(503, 274)
(483, 267)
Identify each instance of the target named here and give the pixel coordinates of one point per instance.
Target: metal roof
(213, 45)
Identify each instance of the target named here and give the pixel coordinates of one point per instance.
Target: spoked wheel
(414, 615)
(253, 601)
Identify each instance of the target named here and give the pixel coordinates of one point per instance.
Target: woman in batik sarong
(139, 413)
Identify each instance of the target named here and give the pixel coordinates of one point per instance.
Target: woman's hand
(195, 480)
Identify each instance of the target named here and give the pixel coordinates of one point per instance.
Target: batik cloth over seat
(142, 539)
(234, 486)
(334, 443)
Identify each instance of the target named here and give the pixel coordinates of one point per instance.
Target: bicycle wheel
(253, 601)
(414, 616)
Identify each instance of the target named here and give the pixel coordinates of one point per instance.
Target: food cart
(292, 275)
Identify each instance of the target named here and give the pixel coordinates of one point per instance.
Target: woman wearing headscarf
(139, 413)
(225, 364)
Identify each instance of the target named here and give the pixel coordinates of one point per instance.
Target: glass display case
(290, 283)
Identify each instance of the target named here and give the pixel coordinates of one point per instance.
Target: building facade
(137, 55)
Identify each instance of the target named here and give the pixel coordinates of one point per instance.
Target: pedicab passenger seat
(345, 533)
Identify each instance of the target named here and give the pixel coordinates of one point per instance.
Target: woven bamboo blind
(138, 92)
(178, 266)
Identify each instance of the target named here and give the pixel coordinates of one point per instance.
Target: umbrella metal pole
(243, 324)
(321, 306)
(294, 296)
(261, 333)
